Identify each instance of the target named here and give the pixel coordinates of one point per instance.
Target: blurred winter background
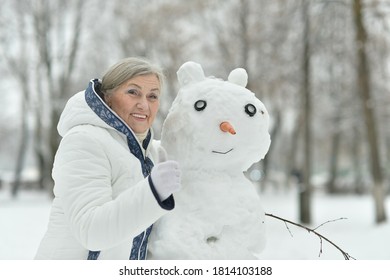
(321, 67)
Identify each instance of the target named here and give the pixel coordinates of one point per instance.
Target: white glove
(165, 175)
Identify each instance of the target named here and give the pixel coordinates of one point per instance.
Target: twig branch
(321, 237)
(335, 220)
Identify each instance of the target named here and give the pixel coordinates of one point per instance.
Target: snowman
(216, 130)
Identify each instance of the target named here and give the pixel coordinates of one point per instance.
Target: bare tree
(364, 89)
(18, 64)
(333, 47)
(56, 62)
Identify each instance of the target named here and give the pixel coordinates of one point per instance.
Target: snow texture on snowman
(216, 130)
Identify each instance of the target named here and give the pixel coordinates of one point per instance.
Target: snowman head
(215, 124)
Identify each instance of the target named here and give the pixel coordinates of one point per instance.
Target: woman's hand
(166, 176)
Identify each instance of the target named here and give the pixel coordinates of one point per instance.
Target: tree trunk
(277, 116)
(334, 156)
(291, 161)
(371, 130)
(356, 162)
(335, 134)
(245, 42)
(305, 193)
(22, 152)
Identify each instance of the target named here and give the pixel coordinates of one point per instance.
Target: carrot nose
(227, 127)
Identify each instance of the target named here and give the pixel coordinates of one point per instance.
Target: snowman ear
(190, 72)
(238, 76)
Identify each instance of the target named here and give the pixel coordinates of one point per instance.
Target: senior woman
(107, 192)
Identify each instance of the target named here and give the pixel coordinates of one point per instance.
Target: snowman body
(216, 130)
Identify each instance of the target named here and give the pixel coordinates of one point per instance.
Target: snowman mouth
(223, 153)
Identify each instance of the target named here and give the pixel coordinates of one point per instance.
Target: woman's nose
(142, 103)
(227, 127)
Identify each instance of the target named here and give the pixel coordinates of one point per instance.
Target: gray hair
(126, 69)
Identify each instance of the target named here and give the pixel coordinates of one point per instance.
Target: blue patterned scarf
(95, 102)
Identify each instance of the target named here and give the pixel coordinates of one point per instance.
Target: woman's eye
(250, 109)
(153, 96)
(132, 91)
(200, 105)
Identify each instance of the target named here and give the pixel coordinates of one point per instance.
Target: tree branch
(321, 237)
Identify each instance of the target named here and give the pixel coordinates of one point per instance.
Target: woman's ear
(107, 99)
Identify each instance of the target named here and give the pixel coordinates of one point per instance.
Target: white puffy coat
(102, 200)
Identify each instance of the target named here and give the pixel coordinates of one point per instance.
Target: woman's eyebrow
(135, 85)
(138, 86)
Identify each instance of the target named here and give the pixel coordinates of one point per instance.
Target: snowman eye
(200, 105)
(250, 109)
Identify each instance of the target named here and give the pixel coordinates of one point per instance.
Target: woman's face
(136, 101)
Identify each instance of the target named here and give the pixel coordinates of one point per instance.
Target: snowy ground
(357, 235)
(23, 222)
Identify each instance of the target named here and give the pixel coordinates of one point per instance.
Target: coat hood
(78, 112)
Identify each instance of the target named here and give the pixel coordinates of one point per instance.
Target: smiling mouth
(223, 153)
(139, 116)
